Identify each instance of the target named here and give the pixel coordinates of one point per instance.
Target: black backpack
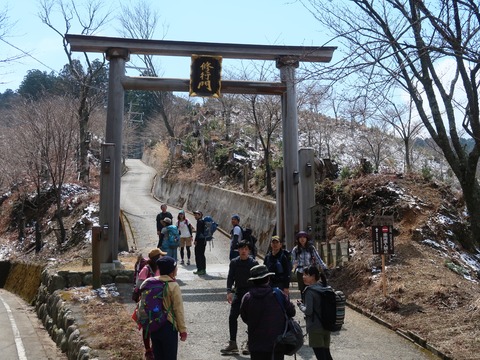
(327, 312)
(248, 236)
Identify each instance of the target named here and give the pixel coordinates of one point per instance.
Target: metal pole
(113, 133)
(287, 67)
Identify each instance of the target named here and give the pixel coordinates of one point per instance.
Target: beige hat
(156, 252)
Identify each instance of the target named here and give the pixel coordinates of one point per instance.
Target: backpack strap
(150, 271)
(281, 300)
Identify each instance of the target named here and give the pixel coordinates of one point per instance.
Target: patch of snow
(104, 292)
(433, 244)
(444, 220)
(239, 157)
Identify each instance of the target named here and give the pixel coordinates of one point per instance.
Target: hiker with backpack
(162, 215)
(161, 311)
(264, 315)
(200, 244)
(145, 268)
(236, 235)
(237, 287)
(278, 261)
(186, 236)
(319, 308)
(304, 255)
(171, 238)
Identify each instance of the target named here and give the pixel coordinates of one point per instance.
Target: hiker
(186, 237)
(278, 261)
(171, 238)
(149, 269)
(263, 314)
(304, 254)
(237, 287)
(318, 336)
(165, 339)
(235, 236)
(200, 244)
(162, 215)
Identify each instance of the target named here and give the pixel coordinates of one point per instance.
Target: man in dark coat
(200, 244)
(237, 287)
(279, 262)
(160, 225)
(263, 314)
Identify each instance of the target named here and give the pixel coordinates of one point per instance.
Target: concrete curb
(407, 334)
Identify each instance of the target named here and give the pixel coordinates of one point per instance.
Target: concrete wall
(255, 213)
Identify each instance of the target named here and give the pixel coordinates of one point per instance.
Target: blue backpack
(173, 237)
(210, 227)
(150, 312)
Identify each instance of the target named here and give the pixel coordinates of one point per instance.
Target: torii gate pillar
(110, 197)
(287, 66)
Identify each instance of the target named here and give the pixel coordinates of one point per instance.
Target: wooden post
(245, 178)
(384, 277)
(96, 256)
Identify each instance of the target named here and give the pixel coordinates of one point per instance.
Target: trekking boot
(188, 262)
(245, 350)
(231, 348)
(182, 262)
(200, 272)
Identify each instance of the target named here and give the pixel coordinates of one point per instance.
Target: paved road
(22, 335)
(205, 297)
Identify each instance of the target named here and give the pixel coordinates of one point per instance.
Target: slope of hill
(432, 286)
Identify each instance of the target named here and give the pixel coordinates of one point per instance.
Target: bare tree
(314, 127)
(5, 29)
(47, 138)
(264, 114)
(139, 21)
(229, 103)
(400, 117)
(430, 50)
(90, 19)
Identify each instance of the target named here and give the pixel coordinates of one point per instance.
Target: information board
(382, 239)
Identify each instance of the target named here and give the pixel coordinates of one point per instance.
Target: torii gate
(118, 51)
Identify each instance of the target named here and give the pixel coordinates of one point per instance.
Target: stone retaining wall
(56, 314)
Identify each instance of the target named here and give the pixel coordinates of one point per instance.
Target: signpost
(382, 241)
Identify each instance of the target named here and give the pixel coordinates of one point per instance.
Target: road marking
(16, 333)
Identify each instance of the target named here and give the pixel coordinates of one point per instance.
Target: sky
(264, 22)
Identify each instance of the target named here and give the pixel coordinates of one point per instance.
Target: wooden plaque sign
(205, 76)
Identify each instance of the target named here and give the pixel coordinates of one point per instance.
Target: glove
(183, 336)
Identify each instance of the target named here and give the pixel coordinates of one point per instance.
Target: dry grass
(112, 330)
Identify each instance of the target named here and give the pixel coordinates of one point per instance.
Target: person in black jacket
(237, 286)
(200, 244)
(264, 315)
(160, 225)
(278, 261)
